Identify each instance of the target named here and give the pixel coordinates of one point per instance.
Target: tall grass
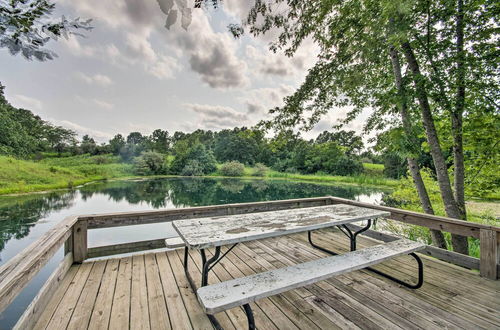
(20, 176)
(361, 179)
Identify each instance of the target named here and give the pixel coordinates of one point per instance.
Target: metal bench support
(352, 239)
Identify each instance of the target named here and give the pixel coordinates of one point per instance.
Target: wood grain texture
(174, 243)
(109, 250)
(79, 241)
(451, 297)
(489, 245)
(16, 273)
(218, 231)
(120, 310)
(454, 226)
(39, 303)
(219, 297)
(144, 217)
(441, 254)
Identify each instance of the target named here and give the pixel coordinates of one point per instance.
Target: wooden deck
(150, 291)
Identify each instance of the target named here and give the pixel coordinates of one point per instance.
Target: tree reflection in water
(19, 213)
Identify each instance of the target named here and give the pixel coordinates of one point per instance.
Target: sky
(130, 73)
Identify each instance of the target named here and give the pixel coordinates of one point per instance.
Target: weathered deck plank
(102, 309)
(139, 311)
(151, 289)
(158, 313)
(83, 310)
(199, 320)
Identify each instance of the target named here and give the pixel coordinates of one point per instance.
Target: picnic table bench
(204, 233)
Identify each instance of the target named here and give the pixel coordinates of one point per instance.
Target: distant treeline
(339, 152)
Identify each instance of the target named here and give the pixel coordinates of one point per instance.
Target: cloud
(103, 104)
(77, 49)
(97, 79)
(82, 130)
(140, 51)
(259, 100)
(278, 64)
(26, 102)
(218, 117)
(135, 21)
(210, 54)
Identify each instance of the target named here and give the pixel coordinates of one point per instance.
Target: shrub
(233, 168)
(347, 166)
(395, 167)
(198, 152)
(260, 170)
(192, 168)
(150, 163)
(99, 160)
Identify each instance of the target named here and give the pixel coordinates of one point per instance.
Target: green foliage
(260, 170)
(373, 169)
(52, 173)
(23, 133)
(26, 26)
(198, 153)
(232, 168)
(347, 166)
(241, 144)
(116, 144)
(150, 163)
(395, 167)
(193, 168)
(330, 158)
(406, 197)
(347, 139)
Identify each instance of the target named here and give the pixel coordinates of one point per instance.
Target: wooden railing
(73, 233)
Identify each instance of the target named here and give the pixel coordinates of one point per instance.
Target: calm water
(23, 219)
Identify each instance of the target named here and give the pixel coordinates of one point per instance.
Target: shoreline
(332, 182)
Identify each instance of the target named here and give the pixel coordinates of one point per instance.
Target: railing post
(490, 254)
(68, 244)
(80, 241)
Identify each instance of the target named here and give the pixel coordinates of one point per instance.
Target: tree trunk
(437, 236)
(450, 204)
(456, 124)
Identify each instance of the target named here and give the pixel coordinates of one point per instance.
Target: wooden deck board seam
(282, 295)
(320, 254)
(439, 298)
(291, 262)
(270, 300)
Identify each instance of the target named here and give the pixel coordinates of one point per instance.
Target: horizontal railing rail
(73, 232)
(489, 236)
(17, 272)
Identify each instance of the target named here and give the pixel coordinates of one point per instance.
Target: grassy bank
(21, 176)
(373, 176)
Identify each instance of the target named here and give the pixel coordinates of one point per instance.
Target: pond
(24, 218)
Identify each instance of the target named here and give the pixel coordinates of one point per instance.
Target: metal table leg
(352, 239)
(207, 265)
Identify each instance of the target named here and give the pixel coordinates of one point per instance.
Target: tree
(135, 138)
(26, 26)
(88, 145)
(116, 144)
(23, 133)
(185, 156)
(348, 139)
(356, 37)
(160, 141)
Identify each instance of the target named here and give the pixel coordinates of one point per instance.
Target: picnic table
(215, 232)
(204, 233)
